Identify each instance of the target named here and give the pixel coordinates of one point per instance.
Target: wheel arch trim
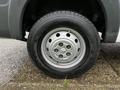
(111, 10)
(16, 10)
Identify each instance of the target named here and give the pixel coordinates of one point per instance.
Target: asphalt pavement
(17, 72)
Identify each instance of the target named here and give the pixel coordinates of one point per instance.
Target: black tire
(68, 19)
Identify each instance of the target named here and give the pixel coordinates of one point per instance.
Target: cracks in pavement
(104, 56)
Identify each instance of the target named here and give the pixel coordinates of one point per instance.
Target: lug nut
(61, 44)
(56, 50)
(60, 56)
(68, 46)
(68, 54)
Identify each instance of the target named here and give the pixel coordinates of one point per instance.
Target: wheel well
(89, 8)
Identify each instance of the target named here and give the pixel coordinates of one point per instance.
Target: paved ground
(18, 73)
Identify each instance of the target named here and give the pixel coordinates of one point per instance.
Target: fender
(110, 9)
(4, 29)
(118, 37)
(16, 10)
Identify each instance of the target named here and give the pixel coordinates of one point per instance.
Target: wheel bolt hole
(75, 57)
(60, 44)
(58, 34)
(68, 46)
(60, 56)
(47, 49)
(50, 40)
(68, 34)
(78, 49)
(50, 57)
(76, 40)
(56, 50)
(68, 54)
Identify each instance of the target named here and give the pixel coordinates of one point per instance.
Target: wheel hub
(60, 51)
(61, 47)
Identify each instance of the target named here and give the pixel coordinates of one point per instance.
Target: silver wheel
(63, 48)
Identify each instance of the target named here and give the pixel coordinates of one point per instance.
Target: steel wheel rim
(63, 48)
